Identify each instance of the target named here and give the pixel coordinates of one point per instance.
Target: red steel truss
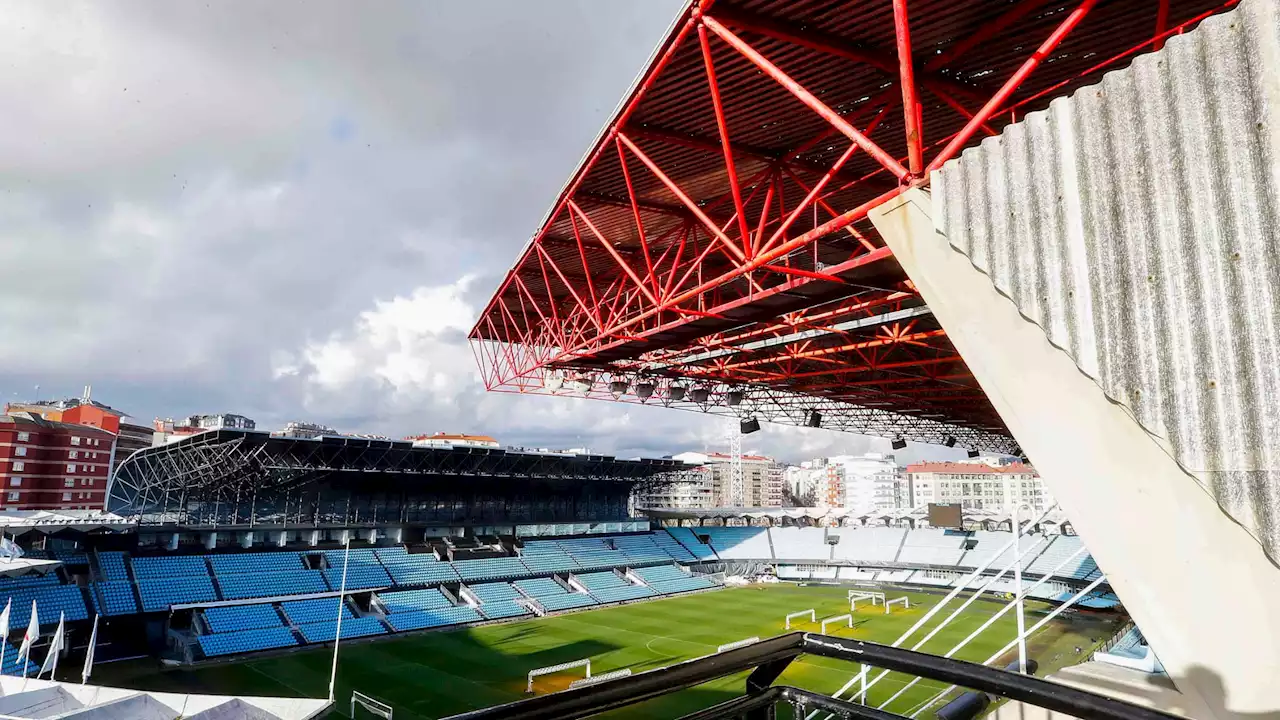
(712, 251)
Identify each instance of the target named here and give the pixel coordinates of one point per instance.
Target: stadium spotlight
(733, 398)
(644, 390)
(950, 441)
(675, 393)
(553, 381)
(748, 426)
(699, 395)
(813, 419)
(618, 387)
(974, 453)
(899, 443)
(580, 384)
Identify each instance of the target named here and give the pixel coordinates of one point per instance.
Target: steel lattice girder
(227, 464)
(728, 195)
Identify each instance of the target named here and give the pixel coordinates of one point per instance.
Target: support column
(210, 540)
(173, 541)
(371, 535)
(1196, 583)
(246, 540)
(315, 538)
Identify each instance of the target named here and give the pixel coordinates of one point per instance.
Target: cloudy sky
(295, 210)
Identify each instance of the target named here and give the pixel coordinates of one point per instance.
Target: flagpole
(342, 595)
(4, 631)
(58, 641)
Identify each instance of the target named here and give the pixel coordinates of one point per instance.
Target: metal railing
(769, 658)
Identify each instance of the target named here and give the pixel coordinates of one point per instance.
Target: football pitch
(436, 674)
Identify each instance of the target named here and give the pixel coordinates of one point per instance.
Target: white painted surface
(1152, 528)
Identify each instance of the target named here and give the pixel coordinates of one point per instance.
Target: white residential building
(761, 480)
(980, 485)
(870, 481)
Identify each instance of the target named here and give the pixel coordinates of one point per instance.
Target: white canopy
(26, 698)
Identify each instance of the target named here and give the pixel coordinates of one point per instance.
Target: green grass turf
(436, 674)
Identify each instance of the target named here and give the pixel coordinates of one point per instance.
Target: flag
(55, 647)
(9, 548)
(88, 656)
(33, 634)
(4, 620)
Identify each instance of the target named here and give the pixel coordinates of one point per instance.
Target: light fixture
(644, 390)
(748, 426)
(580, 384)
(618, 387)
(974, 453)
(553, 381)
(950, 441)
(813, 419)
(675, 393)
(699, 395)
(898, 443)
(733, 398)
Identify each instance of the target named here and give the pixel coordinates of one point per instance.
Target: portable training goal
(857, 595)
(904, 601)
(836, 619)
(813, 616)
(548, 670)
(376, 707)
(602, 677)
(738, 644)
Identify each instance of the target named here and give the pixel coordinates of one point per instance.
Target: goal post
(602, 677)
(376, 707)
(904, 601)
(740, 643)
(813, 616)
(585, 662)
(856, 595)
(836, 619)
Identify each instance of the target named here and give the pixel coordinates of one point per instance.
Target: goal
(602, 677)
(585, 662)
(857, 595)
(376, 707)
(740, 643)
(813, 616)
(836, 619)
(904, 601)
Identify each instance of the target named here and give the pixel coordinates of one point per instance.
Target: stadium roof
(1055, 517)
(30, 698)
(711, 251)
(225, 463)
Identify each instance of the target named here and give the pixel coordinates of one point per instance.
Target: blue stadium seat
(11, 665)
(406, 600)
(422, 619)
(538, 587)
(419, 569)
(160, 593)
(246, 641)
(232, 618)
(320, 632)
(51, 600)
(600, 580)
(255, 562)
(668, 587)
(489, 592)
(495, 609)
(359, 577)
(314, 610)
(291, 582)
(111, 566)
(567, 601)
(116, 598)
(490, 569)
(690, 542)
(169, 566)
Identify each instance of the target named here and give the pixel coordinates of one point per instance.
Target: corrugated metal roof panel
(1136, 221)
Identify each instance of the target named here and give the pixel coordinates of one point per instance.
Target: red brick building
(50, 465)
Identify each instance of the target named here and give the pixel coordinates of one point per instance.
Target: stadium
(1035, 228)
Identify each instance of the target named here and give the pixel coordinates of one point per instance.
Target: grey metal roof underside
(1136, 221)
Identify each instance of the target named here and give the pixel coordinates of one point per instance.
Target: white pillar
(246, 539)
(397, 535)
(210, 540)
(282, 538)
(1159, 537)
(315, 538)
(173, 541)
(371, 535)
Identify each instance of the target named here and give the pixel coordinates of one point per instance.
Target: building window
(71, 467)
(13, 496)
(19, 466)
(66, 497)
(24, 436)
(69, 482)
(20, 451)
(73, 454)
(16, 481)
(75, 440)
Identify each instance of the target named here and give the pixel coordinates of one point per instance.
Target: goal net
(557, 669)
(813, 616)
(374, 707)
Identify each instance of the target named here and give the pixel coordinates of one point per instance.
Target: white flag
(9, 548)
(88, 656)
(33, 634)
(4, 620)
(55, 648)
